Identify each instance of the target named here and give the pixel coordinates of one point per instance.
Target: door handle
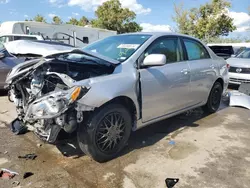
(185, 71)
(212, 66)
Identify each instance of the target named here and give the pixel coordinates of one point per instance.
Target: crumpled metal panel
(239, 99)
(32, 47)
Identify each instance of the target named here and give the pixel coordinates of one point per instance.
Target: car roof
(159, 34)
(21, 35)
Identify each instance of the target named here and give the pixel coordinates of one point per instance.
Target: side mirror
(2, 55)
(154, 60)
(233, 55)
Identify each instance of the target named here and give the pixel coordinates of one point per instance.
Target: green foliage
(39, 18)
(206, 22)
(83, 21)
(238, 39)
(73, 21)
(110, 15)
(57, 20)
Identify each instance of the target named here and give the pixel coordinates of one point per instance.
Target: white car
(12, 37)
(239, 71)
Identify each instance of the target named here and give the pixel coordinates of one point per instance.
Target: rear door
(165, 89)
(203, 70)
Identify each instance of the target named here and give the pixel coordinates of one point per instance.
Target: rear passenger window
(169, 47)
(195, 50)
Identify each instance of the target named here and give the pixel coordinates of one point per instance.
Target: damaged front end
(46, 95)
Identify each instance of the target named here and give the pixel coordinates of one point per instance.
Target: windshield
(244, 54)
(119, 47)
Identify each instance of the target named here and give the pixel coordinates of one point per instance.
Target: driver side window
(170, 47)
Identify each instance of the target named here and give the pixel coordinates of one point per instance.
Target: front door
(165, 89)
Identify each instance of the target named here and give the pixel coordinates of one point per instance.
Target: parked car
(223, 51)
(7, 61)
(15, 52)
(239, 71)
(13, 37)
(114, 86)
(226, 51)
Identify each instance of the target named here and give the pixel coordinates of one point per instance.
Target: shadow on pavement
(146, 136)
(152, 134)
(68, 146)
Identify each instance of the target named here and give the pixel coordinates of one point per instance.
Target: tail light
(228, 66)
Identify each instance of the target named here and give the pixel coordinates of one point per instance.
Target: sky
(152, 15)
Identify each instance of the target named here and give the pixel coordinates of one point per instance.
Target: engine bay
(44, 98)
(45, 78)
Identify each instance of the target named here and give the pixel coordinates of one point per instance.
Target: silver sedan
(239, 71)
(114, 86)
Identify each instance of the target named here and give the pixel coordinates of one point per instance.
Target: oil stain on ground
(181, 150)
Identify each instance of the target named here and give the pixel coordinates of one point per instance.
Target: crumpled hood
(27, 66)
(23, 47)
(47, 50)
(239, 62)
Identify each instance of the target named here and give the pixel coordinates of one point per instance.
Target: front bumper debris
(240, 98)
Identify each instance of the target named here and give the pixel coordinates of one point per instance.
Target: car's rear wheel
(214, 99)
(105, 133)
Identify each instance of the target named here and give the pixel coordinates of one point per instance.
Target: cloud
(25, 16)
(13, 12)
(51, 15)
(241, 20)
(134, 6)
(75, 14)
(88, 5)
(4, 1)
(57, 3)
(147, 27)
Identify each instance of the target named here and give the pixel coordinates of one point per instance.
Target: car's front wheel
(106, 132)
(214, 99)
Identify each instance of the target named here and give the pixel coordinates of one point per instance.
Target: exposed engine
(46, 97)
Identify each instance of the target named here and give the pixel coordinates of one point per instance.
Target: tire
(93, 134)
(214, 99)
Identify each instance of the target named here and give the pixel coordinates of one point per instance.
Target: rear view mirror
(2, 55)
(154, 60)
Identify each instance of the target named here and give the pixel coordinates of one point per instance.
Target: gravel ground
(202, 151)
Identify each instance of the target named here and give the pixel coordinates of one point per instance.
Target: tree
(73, 21)
(110, 15)
(39, 18)
(237, 39)
(83, 21)
(57, 20)
(206, 22)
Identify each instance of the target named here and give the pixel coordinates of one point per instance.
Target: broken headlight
(54, 104)
(76, 94)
